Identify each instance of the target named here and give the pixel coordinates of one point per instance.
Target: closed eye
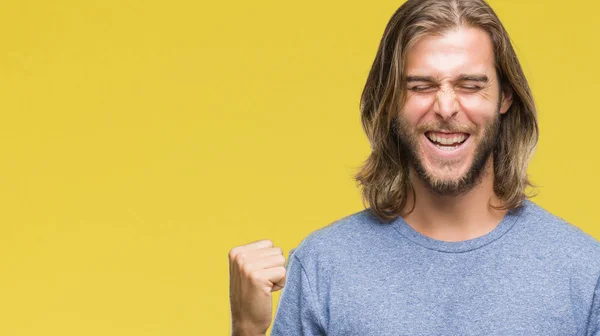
(422, 88)
(470, 87)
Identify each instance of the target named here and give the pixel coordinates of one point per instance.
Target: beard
(408, 144)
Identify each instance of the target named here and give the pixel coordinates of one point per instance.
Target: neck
(455, 218)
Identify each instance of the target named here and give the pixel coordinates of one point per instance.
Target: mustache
(446, 126)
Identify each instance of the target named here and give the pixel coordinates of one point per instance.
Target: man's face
(450, 121)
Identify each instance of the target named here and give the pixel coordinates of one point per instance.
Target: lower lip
(450, 152)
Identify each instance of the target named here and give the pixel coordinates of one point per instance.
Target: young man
(449, 245)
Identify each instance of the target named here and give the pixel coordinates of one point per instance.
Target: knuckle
(233, 252)
(246, 271)
(281, 272)
(240, 258)
(255, 277)
(280, 259)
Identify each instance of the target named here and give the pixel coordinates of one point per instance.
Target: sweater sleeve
(594, 319)
(296, 312)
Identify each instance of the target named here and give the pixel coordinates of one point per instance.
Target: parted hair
(384, 176)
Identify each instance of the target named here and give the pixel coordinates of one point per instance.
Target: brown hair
(384, 177)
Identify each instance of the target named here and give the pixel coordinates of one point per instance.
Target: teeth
(445, 148)
(447, 141)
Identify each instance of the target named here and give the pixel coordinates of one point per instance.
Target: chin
(448, 181)
(448, 172)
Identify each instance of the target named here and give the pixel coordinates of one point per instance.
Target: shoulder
(556, 234)
(556, 228)
(342, 235)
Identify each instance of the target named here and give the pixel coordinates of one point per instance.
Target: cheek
(478, 110)
(478, 104)
(416, 108)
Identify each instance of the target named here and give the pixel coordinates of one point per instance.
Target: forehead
(452, 53)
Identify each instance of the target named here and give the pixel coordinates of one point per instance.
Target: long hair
(384, 176)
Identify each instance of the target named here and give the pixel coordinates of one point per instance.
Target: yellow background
(141, 140)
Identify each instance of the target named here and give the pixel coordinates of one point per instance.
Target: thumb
(278, 285)
(276, 276)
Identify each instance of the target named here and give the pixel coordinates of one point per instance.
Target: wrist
(245, 330)
(242, 332)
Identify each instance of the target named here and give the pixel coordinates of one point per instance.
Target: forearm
(241, 330)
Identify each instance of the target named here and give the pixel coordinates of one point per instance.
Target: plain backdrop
(141, 140)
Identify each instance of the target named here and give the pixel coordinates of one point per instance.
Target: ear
(507, 99)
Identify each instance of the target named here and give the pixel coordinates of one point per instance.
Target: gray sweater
(534, 274)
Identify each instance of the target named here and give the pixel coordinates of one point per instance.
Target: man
(450, 244)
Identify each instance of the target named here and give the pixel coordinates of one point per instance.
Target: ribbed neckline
(503, 227)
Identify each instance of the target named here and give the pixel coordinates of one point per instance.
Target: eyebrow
(461, 78)
(473, 78)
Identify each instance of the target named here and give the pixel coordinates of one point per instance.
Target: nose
(446, 105)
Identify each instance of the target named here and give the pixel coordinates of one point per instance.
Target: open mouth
(447, 141)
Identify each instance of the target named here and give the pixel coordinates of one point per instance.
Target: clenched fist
(255, 270)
